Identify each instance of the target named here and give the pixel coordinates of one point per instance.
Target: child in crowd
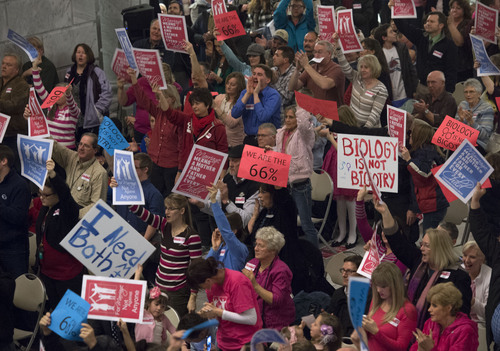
(326, 333)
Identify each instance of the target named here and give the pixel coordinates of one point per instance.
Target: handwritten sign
(119, 65)
(326, 22)
(4, 123)
(375, 190)
(451, 133)
(229, 25)
(396, 124)
(403, 9)
(34, 153)
(371, 259)
(24, 44)
(324, 108)
(110, 138)
(66, 320)
(149, 63)
(356, 301)
(129, 190)
(127, 47)
(463, 170)
(269, 167)
(203, 167)
(485, 22)
(381, 154)
(173, 32)
(267, 336)
(113, 299)
(37, 123)
(486, 67)
(218, 7)
(106, 244)
(349, 40)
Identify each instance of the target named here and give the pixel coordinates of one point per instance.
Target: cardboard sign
(267, 336)
(396, 124)
(127, 47)
(324, 108)
(20, 41)
(486, 68)
(357, 293)
(229, 25)
(349, 41)
(463, 170)
(34, 153)
(218, 7)
(268, 167)
(129, 190)
(37, 123)
(113, 299)
(447, 193)
(381, 154)
(173, 32)
(4, 123)
(149, 63)
(119, 65)
(403, 9)
(326, 22)
(66, 320)
(110, 138)
(452, 132)
(106, 244)
(485, 22)
(371, 259)
(203, 167)
(54, 96)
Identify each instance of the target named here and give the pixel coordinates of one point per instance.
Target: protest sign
(326, 22)
(129, 190)
(463, 170)
(324, 108)
(203, 167)
(54, 96)
(403, 9)
(24, 44)
(119, 65)
(37, 123)
(396, 124)
(106, 244)
(267, 336)
(229, 25)
(452, 132)
(173, 32)
(4, 123)
(349, 41)
(485, 22)
(371, 259)
(113, 299)
(66, 320)
(127, 47)
(375, 191)
(447, 193)
(34, 153)
(381, 154)
(486, 67)
(269, 167)
(356, 300)
(110, 138)
(149, 63)
(218, 7)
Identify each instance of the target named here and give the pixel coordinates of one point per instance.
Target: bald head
(436, 83)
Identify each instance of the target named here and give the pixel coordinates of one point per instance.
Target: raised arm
(197, 71)
(37, 80)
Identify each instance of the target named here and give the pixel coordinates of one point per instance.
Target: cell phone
(209, 343)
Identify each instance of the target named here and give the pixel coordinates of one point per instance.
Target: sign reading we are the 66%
(264, 166)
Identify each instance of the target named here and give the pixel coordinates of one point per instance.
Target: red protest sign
(497, 100)
(4, 122)
(396, 124)
(451, 133)
(269, 167)
(173, 32)
(485, 22)
(348, 38)
(229, 25)
(203, 168)
(371, 259)
(218, 7)
(324, 108)
(114, 299)
(326, 22)
(403, 9)
(119, 65)
(37, 124)
(149, 64)
(54, 95)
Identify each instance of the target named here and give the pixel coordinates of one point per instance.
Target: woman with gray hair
(476, 113)
(271, 279)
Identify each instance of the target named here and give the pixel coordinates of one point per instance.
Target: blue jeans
(302, 196)
(432, 219)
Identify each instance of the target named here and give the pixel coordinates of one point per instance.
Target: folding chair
(172, 316)
(458, 213)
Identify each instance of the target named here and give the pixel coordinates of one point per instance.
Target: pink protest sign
(371, 259)
(396, 123)
(229, 25)
(403, 9)
(119, 65)
(348, 38)
(269, 167)
(4, 122)
(218, 7)
(149, 63)
(485, 22)
(451, 133)
(203, 168)
(173, 32)
(324, 108)
(326, 22)
(113, 299)
(37, 124)
(54, 95)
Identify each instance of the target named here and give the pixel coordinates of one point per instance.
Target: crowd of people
(253, 247)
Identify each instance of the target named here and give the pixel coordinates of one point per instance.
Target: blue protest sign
(463, 170)
(124, 40)
(129, 189)
(20, 41)
(66, 320)
(487, 68)
(266, 335)
(110, 138)
(356, 302)
(34, 154)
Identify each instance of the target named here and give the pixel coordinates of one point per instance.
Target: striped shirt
(176, 252)
(63, 127)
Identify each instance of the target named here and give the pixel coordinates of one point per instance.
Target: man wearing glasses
(298, 23)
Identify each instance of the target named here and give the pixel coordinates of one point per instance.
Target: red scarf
(199, 124)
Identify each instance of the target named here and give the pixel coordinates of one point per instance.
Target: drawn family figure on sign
(27, 149)
(101, 307)
(104, 297)
(344, 26)
(126, 169)
(101, 290)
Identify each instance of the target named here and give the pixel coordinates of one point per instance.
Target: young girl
(326, 333)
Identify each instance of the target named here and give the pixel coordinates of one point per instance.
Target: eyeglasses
(170, 209)
(346, 271)
(45, 195)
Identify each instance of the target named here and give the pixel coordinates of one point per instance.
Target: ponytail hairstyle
(200, 270)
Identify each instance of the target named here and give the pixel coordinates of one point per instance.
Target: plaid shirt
(256, 21)
(281, 85)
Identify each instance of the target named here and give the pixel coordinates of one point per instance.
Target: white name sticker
(445, 275)
(250, 266)
(437, 54)
(179, 240)
(394, 322)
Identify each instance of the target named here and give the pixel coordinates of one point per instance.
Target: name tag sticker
(222, 252)
(445, 275)
(179, 240)
(394, 322)
(369, 93)
(249, 106)
(239, 200)
(86, 177)
(250, 266)
(8, 90)
(437, 54)
(356, 6)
